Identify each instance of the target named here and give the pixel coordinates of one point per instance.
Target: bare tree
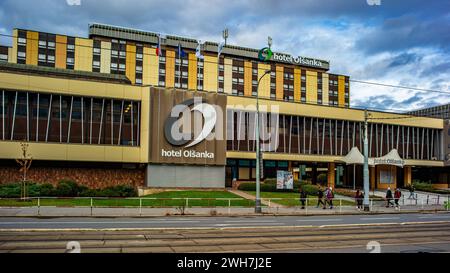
(25, 164)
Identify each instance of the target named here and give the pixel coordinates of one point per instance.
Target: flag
(198, 52)
(158, 48)
(220, 48)
(181, 52)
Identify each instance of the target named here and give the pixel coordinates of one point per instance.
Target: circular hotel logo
(265, 54)
(172, 124)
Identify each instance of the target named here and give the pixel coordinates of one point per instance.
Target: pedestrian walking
(303, 197)
(325, 199)
(330, 197)
(358, 200)
(411, 192)
(389, 198)
(320, 198)
(397, 195)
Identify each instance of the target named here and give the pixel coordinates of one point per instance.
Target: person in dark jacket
(320, 198)
(303, 197)
(397, 195)
(389, 198)
(358, 199)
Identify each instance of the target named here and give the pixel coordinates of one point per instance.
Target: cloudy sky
(399, 42)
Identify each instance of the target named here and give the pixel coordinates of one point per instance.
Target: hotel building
(95, 109)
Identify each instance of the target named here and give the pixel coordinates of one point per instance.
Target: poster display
(285, 180)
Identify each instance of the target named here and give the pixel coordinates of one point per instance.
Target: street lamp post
(258, 176)
(366, 164)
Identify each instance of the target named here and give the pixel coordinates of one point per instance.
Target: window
(96, 64)
(200, 64)
(114, 65)
(22, 41)
(255, 71)
(220, 78)
(221, 67)
(51, 58)
(139, 68)
(139, 56)
(96, 50)
(303, 88)
(235, 80)
(3, 57)
(138, 81)
(42, 43)
(241, 81)
(114, 52)
(235, 69)
(51, 44)
(42, 57)
(121, 67)
(184, 74)
(162, 71)
(272, 85)
(184, 85)
(161, 83)
(70, 47)
(21, 54)
(122, 53)
(200, 76)
(273, 74)
(303, 78)
(185, 62)
(241, 70)
(254, 82)
(162, 59)
(234, 91)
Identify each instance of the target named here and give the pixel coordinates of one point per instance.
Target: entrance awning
(353, 157)
(356, 157)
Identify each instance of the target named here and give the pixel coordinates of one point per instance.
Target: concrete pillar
(372, 174)
(331, 174)
(407, 176)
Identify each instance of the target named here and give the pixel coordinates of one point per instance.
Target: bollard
(91, 206)
(229, 206)
(403, 200)
(140, 206)
(438, 200)
(187, 202)
(340, 205)
(39, 206)
(428, 197)
(306, 208)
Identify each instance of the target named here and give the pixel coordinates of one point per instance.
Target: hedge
(65, 188)
(270, 185)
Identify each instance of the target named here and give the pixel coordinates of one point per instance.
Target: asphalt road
(213, 222)
(352, 233)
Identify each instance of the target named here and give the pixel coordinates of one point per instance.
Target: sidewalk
(201, 211)
(426, 198)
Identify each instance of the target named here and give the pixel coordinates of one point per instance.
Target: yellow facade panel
(32, 47)
(210, 73)
(341, 91)
(105, 57)
(192, 67)
(297, 83)
(279, 82)
(228, 76)
(83, 54)
(247, 78)
(61, 51)
(170, 68)
(311, 86)
(325, 89)
(264, 84)
(150, 72)
(12, 57)
(130, 68)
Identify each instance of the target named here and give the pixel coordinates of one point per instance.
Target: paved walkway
(378, 207)
(252, 197)
(421, 197)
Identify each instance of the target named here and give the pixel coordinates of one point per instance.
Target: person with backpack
(330, 197)
(325, 199)
(389, 198)
(320, 198)
(303, 197)
(397, 195)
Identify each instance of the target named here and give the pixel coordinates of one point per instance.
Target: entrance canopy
(391, 158)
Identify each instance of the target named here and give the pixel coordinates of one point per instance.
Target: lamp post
(258, 176)
(366, 164)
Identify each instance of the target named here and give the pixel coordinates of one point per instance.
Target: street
(352, 233)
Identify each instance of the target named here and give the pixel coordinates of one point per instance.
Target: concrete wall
(185, 176)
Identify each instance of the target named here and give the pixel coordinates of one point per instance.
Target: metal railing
(137, 205)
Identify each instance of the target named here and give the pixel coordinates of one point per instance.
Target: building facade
(98, 110)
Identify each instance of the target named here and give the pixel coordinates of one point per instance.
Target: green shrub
(271, 186)
(11, 190)
(46, 189)
(322, 178)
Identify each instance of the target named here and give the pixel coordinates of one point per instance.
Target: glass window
(70, 47)
(22, 41)
(139, 56)
(96, 50)
(139, 68)
(42, 57)
(51, 44)
(21, 54)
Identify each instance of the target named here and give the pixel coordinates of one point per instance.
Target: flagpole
(179, 69)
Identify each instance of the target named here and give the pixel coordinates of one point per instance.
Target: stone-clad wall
(91, 177)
